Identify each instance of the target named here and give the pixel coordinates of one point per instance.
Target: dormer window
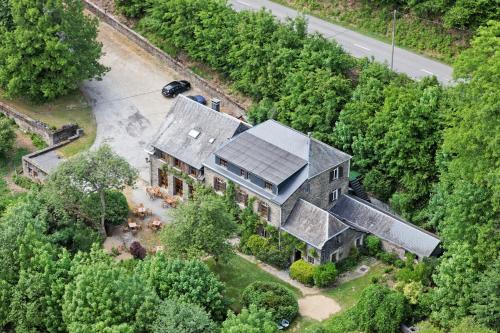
(223, 163)
(268, 186)
(243, 173)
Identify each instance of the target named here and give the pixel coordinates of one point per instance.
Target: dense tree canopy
(50, 48)
(251, 320)
(180, 317)
(200, 227)
(7, 136)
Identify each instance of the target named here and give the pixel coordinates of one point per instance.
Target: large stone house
(299, 184)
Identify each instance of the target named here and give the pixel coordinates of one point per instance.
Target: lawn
(347, 294)
(239, 273)
(72, 108)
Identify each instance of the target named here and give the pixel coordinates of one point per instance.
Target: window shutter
(341, 172)
(340, 190)
(330, 197)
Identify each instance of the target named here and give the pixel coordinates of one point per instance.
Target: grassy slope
(347, 294)
(72, 108)
(239, 273)
(415, 34)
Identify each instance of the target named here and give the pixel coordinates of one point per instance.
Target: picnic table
(133, 226)
(169, 202)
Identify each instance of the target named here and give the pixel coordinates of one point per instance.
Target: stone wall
(228, 103)
(390, 247)
(347, 241)
(28, 124)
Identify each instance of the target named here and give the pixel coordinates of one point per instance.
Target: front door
(298, 255)
(178, 187)
(162, 178)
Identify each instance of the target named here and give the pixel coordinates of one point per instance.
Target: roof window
(194, 133)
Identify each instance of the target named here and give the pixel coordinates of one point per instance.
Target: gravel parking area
(127, 103)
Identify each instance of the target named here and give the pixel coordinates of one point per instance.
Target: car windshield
(171, 85)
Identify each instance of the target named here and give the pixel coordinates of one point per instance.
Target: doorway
(162, 178)
(297, 256)
(178, 186)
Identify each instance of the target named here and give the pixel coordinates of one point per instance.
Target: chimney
(216, 104)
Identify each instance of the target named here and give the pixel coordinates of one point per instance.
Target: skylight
(212, 140)
(194, 133)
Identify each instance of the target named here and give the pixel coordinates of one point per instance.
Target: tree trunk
(103, 213)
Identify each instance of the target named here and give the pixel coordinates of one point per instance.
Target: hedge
(303, 272)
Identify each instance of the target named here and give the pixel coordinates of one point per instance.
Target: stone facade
(175, 185)
(390, 247)
(341, 245)
(275, 210)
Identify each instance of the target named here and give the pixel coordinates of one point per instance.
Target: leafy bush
(75, 237)
(116, 207)
(7, 135)
(350, 262)
(276, 257)
(272, 297)
(303, 271)
(251, 320)
(137, 250)
(325, 275)
(37, 141)
(180, 317)
(373, 245)
(256, 245)
(23, 181)
(133, 8)
(389, 258)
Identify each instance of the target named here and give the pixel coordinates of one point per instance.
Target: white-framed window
(334, 174)
(334, 195)
(334, 256)
(310, 259)
(359, 241)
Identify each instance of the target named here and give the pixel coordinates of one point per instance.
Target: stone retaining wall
(232, 106)
(28, 124)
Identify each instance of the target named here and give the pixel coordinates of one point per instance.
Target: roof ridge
(207, 108)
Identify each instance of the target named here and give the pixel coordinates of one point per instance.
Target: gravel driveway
(127, 103)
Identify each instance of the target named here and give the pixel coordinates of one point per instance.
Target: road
(127, 103)
(414, 65)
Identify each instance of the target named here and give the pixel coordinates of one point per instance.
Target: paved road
(358, 45)
(127, 103)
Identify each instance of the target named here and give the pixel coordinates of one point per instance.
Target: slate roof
(261, 158)
(312, 224)
(186, 115)
(306, 158)
(366, 217)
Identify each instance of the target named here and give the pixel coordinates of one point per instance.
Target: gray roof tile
(185, 115)
(312, 224)
(366, 217)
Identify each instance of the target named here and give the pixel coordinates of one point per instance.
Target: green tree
(106, 298)
(98, 172)
(5, 15)
(51, 49)
(176, 316)
(486, 295)
(467, 200)
(188, 281)
(252, 320)
(7, 136)
(200, 227)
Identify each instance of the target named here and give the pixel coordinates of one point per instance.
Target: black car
(174, 88)
(198, 98)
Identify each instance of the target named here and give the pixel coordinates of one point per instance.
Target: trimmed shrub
(275, 257)
(256, 245)
(273, 297)
(373, 245)
(325, 275)
(303, 272)
(137, 250)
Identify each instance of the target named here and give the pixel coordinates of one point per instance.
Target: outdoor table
(132, 225)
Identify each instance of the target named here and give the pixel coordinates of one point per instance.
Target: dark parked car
(198, 98)
(174, 88)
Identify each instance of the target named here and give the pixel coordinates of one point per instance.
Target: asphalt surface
(414, 65)
(127, 103)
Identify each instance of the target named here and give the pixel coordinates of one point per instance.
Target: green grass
(238, 273)
(72, 108)
(347, 294)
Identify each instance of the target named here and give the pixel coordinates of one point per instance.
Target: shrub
(137, 250)
(7, 135)
(249, 320)
(303, 272)
(256, 245)
(23, 181)
(37, 141)
(275, 257)
(387, 257)
(132, 8)
(273, 297)
(181, 317)
(373, 245)
(350, 262)
(325, 275)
